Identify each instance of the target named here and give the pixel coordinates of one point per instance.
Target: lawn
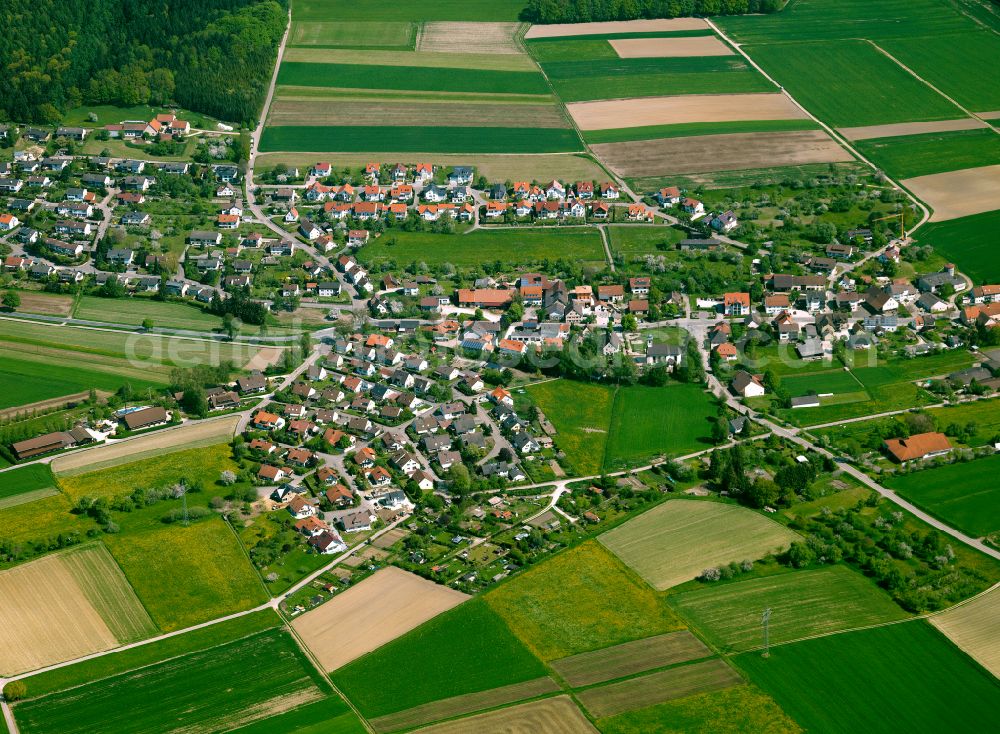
(33, 478)
(850, 83)
(355, 138)
(582, 599)
(969, 242)
(644, 240)
(136, 310)
(485, 247)
(581, 413)
(465, 650)
(945, 61)
(676, 540)
(683, 130)
(198, 465)
(651, 421)
(964, 495)
(901, 678)
(187, 575)
(106, 666)
(345, 10)
(211, 690)
(920, 155)
(730, 711)
(374, 76)
(45, 379)
(804, 603)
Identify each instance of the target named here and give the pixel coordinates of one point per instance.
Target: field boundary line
(926, 83)
(841, 140)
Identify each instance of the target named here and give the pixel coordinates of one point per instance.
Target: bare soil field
(384, 606)
(958, 193)
(460, 705)
(425, 57)
(469, 37)
(391, 538)
(48, 612)
(494, 167)
(975, 627)
(49, 304)
(616, 26)
(631, 657)
(733, 152)
(900, 129)
(613, 114)
(552, 715)
(287, 111)
(264, 358)
(991, 115)
(647, 690)
(644, 48)
(187, 436)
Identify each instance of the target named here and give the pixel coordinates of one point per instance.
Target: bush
(15, 690)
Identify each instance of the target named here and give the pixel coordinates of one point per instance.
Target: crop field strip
(902, 677)
(804, 603)
(491, 11)
(958, 194)
(42, 378)
(682, 109)
(974, 626)
(415, 113)
(410, 59)
(647, 690)
(355, 138)
(695, 129)
(352, 35)
(330, 715)
(191, 692)
(25, 484)
(64, 606)
(449, 708)
(558, 715)
(630, 658)
(676, 540)
(930, 153)
(902, 129)
(969, 242)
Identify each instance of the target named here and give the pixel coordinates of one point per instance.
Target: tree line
(585, 11)
(212, 56)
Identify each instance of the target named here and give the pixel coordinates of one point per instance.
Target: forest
(584, 11)
(211, 56)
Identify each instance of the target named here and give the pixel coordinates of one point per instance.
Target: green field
(465, 650)
(581, 80)
(920, 155)
(507, 246)
(44, 379)
(969, 242)
(187, 575)
(359, 138)
(192, 465)
(833, 381)
(582, 599)
(344, 10)
(326, 716)
(901, 678)
(33, 479)
(678, 539)
(353, 34)
(945, 62)
(601, 427)
(736, 710)
(135, 310)
(803, 603)
(683, 130)
(105, 666)
(643, 240)
(964, 495)
(850, 83)
(211, 690)
(372, 76)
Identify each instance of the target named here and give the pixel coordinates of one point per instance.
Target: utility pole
(765, 620)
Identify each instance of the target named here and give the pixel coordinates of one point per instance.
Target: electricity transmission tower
(765, 621)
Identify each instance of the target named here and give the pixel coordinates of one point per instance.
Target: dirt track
(616, 26)
(384, 606)
(640, 48)
(958, 193)
(908, 128)
(613, 114)
(704, 153)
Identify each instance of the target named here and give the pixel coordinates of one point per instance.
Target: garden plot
(379, 609)
(469, 37)
(613, 114)
(638, 48)
(708, 153)
(958, 193)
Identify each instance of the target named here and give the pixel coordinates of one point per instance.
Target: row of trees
(213, 56)
(583, 11)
